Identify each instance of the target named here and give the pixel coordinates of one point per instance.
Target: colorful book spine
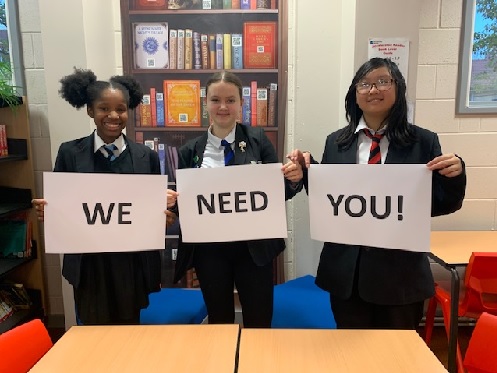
(253, 4)
(237, 51)
(246, 105)
(272, 104)
(150, 4)
(217, 4)
(203, 103)
(235, 4)
(204, 47)
(197, 54)
(226, 4)
(259, 45)
(262, 107)
(145, 112)
(162, 158)
(245, 4)
(253, 103)
(227, 51)
(159, 98)
(153, 107)
(4, 149)
(139, 137)
(206, 4)
(173, 48)
(212, 51)
(180, 65)
(219, 51)
(188, 49)
(263, 4)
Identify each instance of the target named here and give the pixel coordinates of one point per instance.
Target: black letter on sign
(388, 205)
(98, 210)
(122, 212)
(201, 199)
(223, 202)
(239, 200)
(355, 214)
(335, 204)
(252, 200)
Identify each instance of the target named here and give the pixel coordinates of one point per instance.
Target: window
(10, 42)
(477, 87)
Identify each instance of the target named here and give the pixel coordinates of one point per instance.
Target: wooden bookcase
(16, 190)
(207, 22)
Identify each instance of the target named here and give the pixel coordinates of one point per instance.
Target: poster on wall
(396, 49)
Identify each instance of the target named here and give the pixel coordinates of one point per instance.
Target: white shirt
(98, 143)
(214, 151)
(364, 143)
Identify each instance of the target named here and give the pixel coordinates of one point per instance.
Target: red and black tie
(374, 151)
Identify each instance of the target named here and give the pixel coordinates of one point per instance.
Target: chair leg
(430, 319)
(445, 304)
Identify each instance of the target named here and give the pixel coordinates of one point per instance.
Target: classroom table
(335, 350)
(451, 249)
(143, 348)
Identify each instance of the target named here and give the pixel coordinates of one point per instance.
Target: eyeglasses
(380, 85)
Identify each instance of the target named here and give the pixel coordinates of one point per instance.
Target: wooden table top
(143, 348)
(455, 247)
(325, 350)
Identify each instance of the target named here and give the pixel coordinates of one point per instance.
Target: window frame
(465, 62)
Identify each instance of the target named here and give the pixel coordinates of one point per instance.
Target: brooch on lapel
(242, 145)
(195, 161)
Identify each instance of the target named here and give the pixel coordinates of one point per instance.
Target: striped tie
(229, 154)
(374, 151)
(110, 149)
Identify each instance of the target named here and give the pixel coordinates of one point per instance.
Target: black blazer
(259, 149)
(78, 156)
(385, 276)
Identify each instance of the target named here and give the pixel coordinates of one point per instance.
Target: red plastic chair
(22, 347)
(480, 295)
(481, 356)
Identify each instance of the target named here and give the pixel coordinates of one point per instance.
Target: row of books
(13, 297)
(183, 103)
(4, 149)
(204, 4)
(159, 47)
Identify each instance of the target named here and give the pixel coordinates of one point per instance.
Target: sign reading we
(90, 213)
(387, 206)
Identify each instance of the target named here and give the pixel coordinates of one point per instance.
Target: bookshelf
(142, 18)
(16, 190)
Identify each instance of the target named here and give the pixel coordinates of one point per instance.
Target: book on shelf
(173, 48)
(159, 99)
(253, 103)
(219, 51)
(262, 107)
(151, 45)
(171, 162)
(197, 54)
(206, 4)
(253, 4)
(14, 236)
(204, 50)
(145, 111)
(259, 45)
(237, 51)
(203, 103)
(139, 137)
(272, 104)
(188, 49)
(212, 51)
(235, 4)
(149, 144)
(4, 148)
(226, 4)
(180, 64)
(182, 102)
(150, 4)
(162, 158)
(227, 51)
(245, 4)
(217, 4)
(15, 295)
(153, 107)
(246, 105)
(263, 4)
(185, 4)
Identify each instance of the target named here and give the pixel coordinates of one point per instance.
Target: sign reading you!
(387, 206)
(90, 213)
(232, 203)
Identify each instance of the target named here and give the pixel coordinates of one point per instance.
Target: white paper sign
(90, 213)
(395, 49)
(235, 203)
(387, 206)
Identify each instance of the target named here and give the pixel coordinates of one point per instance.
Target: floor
(438, 343)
